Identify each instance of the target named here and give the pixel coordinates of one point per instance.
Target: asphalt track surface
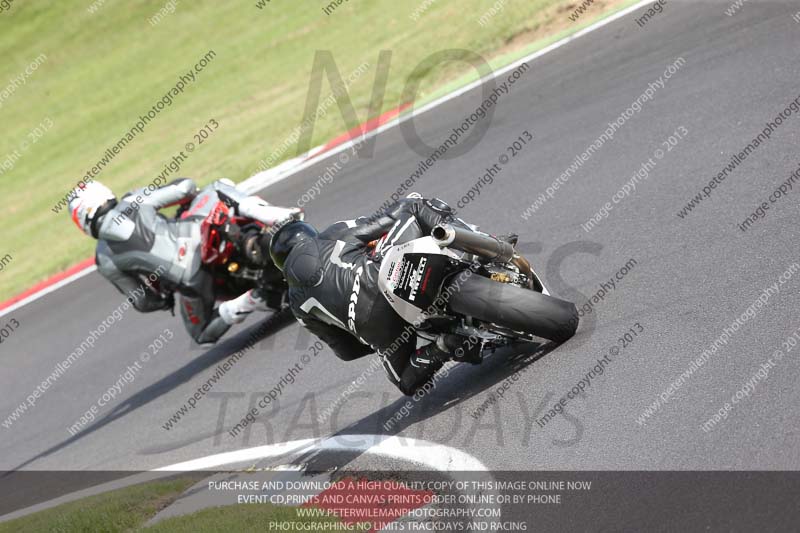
(692, 278)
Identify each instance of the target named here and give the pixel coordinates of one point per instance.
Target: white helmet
(88, 199)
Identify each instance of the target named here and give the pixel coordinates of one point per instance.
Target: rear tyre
(514, 308)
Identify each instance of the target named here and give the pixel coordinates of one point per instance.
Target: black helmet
(286, 238)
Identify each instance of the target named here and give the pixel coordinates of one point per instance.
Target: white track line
(270, 177)
(429, 454)
(261, 180)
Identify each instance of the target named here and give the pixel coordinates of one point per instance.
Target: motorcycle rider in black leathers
(333, 289)
(134, 241)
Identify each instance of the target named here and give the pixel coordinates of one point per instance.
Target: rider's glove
(441, 207)
(258, 209)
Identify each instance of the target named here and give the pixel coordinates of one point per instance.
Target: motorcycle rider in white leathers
(134, 241)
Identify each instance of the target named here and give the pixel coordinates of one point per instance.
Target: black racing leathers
(333, 288)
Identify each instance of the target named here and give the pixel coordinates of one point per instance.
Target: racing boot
(426, 361)
(422, 365)
(462, 349)
(236, 310)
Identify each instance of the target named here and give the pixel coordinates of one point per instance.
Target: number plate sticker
(417, 277)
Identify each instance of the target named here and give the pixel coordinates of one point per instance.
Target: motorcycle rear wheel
(514, 308)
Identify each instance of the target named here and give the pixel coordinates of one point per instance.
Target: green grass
(128, 509)
(105, 69)
(120, 510)
(244, 518)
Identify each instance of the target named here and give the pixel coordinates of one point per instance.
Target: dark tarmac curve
(692, 277)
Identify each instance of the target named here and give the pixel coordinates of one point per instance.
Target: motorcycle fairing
(411, 275)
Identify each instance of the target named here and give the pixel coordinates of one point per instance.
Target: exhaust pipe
(479, 244)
